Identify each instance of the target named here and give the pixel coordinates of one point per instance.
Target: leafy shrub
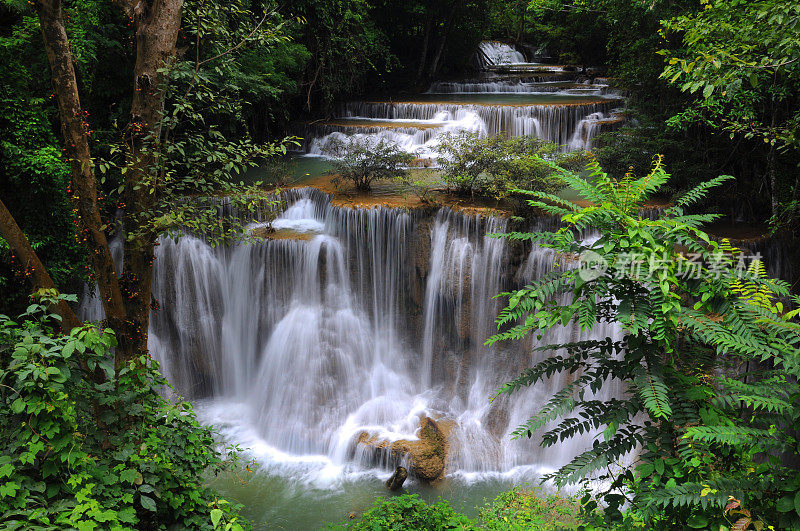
(519, 508)
(707, 353)
(496, 165)
(87, 447)
(408, 513)
(525, 508)
(363, 160)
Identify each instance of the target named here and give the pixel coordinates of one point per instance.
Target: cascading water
(493, 53)
(512, 97)
(373, 318)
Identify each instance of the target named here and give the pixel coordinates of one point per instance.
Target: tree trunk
(156, 24)
(126, 300)
(33, 267)
(76, 148)
(772, 170)
(423, 55)
(443, 41)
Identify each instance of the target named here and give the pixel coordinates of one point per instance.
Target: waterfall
(512, 97)
(296, 347)
(516, 87)
(555, 123)
(493, 53)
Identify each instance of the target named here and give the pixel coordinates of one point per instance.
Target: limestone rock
(426, 456)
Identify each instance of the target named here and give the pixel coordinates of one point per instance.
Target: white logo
(591, 265)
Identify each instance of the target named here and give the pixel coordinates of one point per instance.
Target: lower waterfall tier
(340, 343)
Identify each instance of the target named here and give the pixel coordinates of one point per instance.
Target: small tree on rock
(362, 160)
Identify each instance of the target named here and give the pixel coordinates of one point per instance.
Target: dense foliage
(407, 513)
(706, 352)
(742, 57)
(519, 508)
(85, 452)
(493, 166)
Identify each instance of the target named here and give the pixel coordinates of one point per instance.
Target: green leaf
(18, 405)
(785, 504)
(216, 516)
(697, 521)
(147, 503)
(9, 488)
(129, 475)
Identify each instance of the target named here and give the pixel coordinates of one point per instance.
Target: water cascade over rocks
(359, 346)
(509, 97)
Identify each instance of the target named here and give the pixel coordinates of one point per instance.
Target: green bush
(519, 508)
(87, 447)
(526, 508)
(361, 160)
(496, 165)
(408, 512)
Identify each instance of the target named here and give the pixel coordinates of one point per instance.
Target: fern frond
(653, 392)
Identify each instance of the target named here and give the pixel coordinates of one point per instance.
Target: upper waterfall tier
(510, 97)
(493, 53)
(518, 86)
(415, 126)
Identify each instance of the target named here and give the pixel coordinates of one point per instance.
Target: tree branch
(240, 43)
(33, 267)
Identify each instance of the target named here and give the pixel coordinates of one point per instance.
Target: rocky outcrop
(426, 456)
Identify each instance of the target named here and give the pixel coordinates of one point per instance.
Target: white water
(295, 348)
(555, 123)
(546, 107)
(493, 53)
(588, 128)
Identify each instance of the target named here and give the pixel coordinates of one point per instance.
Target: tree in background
(707, 355)
(362, 161)
(494, 166)
(743, 58)
(345, 47)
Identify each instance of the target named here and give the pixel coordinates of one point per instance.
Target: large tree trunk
(126, 300)
(423, 55)
(32, 266)
(76, 148)
(156, 24)
(434, 67)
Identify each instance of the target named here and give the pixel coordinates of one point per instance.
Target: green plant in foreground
(408, 513)
(706, 353)
(86, 455)
(520, 508)
(530, 508)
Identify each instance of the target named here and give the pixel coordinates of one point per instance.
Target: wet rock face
(426, 456)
